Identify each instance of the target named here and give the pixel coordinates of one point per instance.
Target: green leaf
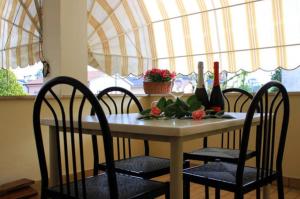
(170, 110)
(169, 101)
(220, 113)
(209, 111)
(181, 103)
(208, 116)
(147, 117)
(181, 112)
(227, 116)
(191, 99)
(194, 103)
(162, 103)
(145, 112)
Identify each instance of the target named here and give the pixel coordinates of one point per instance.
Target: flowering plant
(190, 109)
(158, 75)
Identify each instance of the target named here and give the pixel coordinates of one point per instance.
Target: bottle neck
(200, 75)
(216, 74)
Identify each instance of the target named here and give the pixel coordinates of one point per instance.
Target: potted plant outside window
(158, 81)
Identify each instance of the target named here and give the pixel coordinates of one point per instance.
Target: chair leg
(167, 194)
(258, 193)
(206, 192)
(186, 189)
(95, 170)
(96, 154)
(186, 164)
(280, 189)
(43, 195)
(217, 193)
(238, 195)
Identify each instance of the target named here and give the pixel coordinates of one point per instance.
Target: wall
(64, 38)
(18, 158)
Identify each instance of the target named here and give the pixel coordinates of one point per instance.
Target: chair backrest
(69, 143)
(240, 103)
(270, 132)
(235, 100)
(113, 106)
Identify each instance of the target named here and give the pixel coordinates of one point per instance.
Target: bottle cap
(200, 64)
(216, 66)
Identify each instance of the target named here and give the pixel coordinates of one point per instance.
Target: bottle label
(200, 75)
(216, 108)
(216, 74)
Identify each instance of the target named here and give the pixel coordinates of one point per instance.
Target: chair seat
(220, 173)
(142, 166)
(211, 154)
(128, 187)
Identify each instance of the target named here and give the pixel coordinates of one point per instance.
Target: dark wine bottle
(201, 93)
(216, 97)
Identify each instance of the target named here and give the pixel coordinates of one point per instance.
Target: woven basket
(157, 87)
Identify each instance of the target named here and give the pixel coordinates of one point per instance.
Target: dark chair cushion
(221, 172)
(211, 154)
(141, 164)
(128, 187)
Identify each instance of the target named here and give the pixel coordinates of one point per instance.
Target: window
(31, 80)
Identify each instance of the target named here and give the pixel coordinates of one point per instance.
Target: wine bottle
(201, 93)
(216, 97)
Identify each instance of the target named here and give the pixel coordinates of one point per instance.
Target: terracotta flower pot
(157, 87)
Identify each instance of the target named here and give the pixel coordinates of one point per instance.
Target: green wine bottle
(200, 92)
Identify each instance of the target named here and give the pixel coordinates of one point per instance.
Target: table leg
(53, 169)
(176, 167)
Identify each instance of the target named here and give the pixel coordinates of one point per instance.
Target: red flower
(216, 108)
(164, 73)
(155, 111)
(158, 75)
(173, 75)
(155, 71)
(198, 114)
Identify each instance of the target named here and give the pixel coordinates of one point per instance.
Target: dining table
(173, 131)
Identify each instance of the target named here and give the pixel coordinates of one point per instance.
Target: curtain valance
(131, 36)
(20, 32)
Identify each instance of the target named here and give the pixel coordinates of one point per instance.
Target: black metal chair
(230, 141)
(270, 142)
(229, 146)
(144, 166)
(71, 148)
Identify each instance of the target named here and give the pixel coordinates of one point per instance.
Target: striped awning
(129, 36)
(20, 32)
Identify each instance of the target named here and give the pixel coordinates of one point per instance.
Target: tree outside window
(9, 85)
